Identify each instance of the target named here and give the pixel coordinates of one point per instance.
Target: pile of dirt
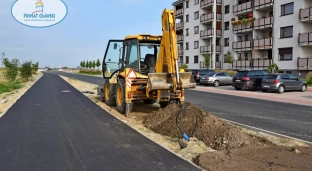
(213, 131)
(257, 158)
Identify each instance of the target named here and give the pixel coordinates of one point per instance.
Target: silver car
(282, 82)
(216, 79)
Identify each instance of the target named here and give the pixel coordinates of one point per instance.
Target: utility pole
(214, 25)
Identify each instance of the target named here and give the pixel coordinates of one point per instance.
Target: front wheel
(303, 88)
(109, 93)
(121, 96)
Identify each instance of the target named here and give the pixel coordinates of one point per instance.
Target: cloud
(39, 14)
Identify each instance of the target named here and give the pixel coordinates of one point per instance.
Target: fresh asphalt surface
(48, 129)
(283, 118)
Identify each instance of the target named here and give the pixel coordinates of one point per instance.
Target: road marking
(269, 132)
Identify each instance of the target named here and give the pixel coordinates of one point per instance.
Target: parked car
(216, 79)
(282, 82)
(200, 73)
(248, 79)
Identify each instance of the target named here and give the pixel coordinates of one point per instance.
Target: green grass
(8, 87)
(308, 81)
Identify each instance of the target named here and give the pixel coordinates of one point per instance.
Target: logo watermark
(39, 13)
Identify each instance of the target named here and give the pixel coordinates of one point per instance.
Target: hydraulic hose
(180, 116)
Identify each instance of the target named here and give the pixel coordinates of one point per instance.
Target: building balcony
(242, 46)
(305, 63)
(179, 13)
(180, 52)
(207, 18)
(305, 39)
(251, 64)
(240, 28)
(203, 66)
(180, 39)
(180, 26)
(178, 2)
(263, 23)
(204, 4)
(305, 15)
(242, 8)
(209, 49)
(263, 4)
(206, 34)
(262, 44)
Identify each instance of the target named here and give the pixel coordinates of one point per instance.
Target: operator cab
(137, 52)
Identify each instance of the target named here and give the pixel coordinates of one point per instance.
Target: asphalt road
(49, 129)
(283, 118)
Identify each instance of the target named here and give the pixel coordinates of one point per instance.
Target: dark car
(282, 82)
(248, 79)
(200, 73)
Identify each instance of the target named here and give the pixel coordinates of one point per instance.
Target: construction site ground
(216, 144)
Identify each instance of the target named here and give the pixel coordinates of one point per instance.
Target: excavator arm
(167, 76)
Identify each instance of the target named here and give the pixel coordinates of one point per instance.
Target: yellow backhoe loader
(144, 67)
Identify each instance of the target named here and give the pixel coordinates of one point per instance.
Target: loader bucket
(162, 81)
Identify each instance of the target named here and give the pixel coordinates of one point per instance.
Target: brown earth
(237, 148)
(213, 131)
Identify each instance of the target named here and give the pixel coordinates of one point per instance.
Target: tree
(26, 70)
(83, 64)
(93, 64)
(229, 58)
(207, 60)
(11, 68)
(90, 64)
(35, 67)
(273, 68)
(98, 63)
(87, 64)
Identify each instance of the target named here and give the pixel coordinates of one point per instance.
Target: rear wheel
(303, 88)
(109, 91)
(236, 88)
(121, 97)
(149, 101)
(216, 83)
(281, 89)
(166, 103)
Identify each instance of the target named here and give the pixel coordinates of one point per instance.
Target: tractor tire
(165, 104)
(121, 96)
(109, 92)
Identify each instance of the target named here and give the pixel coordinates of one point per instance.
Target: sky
(83, 34)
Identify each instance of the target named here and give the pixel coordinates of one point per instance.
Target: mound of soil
(257, 158)
(213, 131)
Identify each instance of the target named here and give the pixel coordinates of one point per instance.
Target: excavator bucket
(163, 81)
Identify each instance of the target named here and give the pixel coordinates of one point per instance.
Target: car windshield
(204, 72)
(270, 77)
(241, 73)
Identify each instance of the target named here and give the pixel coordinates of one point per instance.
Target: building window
(186, 32)
(217, 58)
(186, 60)
(227, 9)
(226, 25)
(196, 15)
(196, 30)
(225, 59)
(226, 42)
(187, 46)
(186, 4)
(195, 59)
(187, 18)
(285, 54)
(196, 2)
(287, 9)
(196, 44)
(286, 32)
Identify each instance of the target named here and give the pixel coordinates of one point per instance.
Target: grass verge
(308, 81)
(8, 87)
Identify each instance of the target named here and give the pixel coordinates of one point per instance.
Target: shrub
(309, 75)
(26, 70)
(90, 71)
(35, 67)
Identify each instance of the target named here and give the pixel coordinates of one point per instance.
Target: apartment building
(256, 33)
